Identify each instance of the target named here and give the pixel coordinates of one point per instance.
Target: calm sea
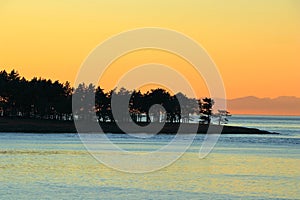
(57, 166)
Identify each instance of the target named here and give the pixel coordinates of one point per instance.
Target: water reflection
(57, 167)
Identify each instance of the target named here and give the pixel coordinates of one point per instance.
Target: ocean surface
(57, 166)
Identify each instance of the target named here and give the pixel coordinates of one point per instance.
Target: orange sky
(255, 44)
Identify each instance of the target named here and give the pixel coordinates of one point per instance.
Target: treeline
(47, 99)
(37, 98)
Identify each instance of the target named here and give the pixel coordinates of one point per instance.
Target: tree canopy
(47, 99)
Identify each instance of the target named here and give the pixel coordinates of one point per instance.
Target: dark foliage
(45, 99)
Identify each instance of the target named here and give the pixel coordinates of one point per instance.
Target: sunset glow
(255, 44)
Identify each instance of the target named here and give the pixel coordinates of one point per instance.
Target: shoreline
(20, 125)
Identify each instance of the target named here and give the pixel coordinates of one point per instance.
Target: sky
(255, 44)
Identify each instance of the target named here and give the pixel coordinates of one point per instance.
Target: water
(57, 166)
(287, 125)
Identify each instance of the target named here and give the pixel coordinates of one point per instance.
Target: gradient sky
(255, 44)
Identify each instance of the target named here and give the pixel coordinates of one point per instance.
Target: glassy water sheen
(57, 166)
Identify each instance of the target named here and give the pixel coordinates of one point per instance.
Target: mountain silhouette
(283, 105)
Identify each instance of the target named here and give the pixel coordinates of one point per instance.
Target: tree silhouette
(222, 116)
(136, 106)
(206, 109)
(47, 99)
(37, 98)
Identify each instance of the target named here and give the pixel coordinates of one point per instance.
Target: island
(45, 106)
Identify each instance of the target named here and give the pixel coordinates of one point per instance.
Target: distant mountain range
(283, 105)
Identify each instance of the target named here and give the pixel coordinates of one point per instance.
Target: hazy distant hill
(284, 105)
